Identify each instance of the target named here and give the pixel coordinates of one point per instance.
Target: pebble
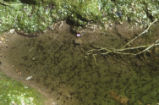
(11, 31)
(29, 78)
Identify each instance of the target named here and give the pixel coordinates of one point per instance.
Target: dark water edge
(55, 61)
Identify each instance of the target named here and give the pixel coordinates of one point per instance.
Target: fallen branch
(142, 33)
(137, 50)
(149, 47)
(123, 51)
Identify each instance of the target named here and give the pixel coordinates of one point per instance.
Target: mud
(70, 77)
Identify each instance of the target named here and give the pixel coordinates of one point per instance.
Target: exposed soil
(63, 72)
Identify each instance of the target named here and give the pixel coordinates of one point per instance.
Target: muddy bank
(56, 61)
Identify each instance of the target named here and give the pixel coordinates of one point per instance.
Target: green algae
(14, 93)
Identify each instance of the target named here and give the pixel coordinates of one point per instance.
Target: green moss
(12, 92)
(37, 15)
(28, 18)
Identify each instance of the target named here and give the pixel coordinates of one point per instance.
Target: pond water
(61, 65)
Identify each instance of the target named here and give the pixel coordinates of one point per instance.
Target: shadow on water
(57, 63)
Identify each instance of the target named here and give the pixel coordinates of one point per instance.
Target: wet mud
(72, 77)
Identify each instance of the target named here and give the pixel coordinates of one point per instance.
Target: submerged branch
(123, 51)
(142, 33)
(137, 50)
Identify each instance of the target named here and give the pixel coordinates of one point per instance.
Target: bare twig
(148, 48)
(137, 50)
(124, 51)
(142, 33)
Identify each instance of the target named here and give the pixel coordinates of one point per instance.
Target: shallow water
(73, 78)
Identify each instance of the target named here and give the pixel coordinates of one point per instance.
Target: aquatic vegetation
(14, 93)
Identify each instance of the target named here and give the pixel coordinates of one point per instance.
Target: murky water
(74, 78)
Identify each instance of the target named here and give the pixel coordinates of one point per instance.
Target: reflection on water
(75, 79)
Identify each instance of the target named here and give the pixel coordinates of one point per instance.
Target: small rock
(29, 78)
(11, 31)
